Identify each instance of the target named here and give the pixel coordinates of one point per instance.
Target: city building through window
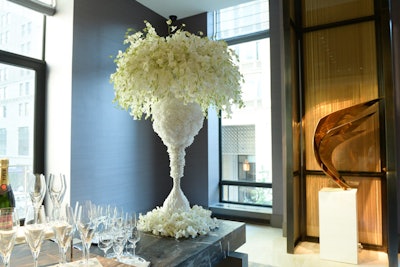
(22, 87)
(246, 163)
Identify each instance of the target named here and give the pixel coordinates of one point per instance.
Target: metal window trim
(36, 5)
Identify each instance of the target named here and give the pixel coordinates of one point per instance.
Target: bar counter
(209, 250)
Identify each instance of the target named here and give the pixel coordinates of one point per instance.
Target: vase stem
(176, 200)
(177, 124)
(176, 161)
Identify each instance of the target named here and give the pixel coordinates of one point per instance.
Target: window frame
(40, 67)
(233, 41)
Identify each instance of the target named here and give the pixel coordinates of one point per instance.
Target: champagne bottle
(7, 199)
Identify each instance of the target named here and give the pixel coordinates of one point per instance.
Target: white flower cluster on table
(189, 67)
(192, 223)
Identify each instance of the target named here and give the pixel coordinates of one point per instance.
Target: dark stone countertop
(206, 250)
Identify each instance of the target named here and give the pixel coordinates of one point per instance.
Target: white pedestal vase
(177, 124)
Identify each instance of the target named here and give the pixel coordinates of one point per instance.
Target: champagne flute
(35, 229)
(36, 189)
(9, 224)
(57, 187)
(64, 228)
(86, 225)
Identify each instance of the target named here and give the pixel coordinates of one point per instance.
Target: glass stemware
(87, 224)
(64, 228)
(105, 237)
(9, 224)
(133, 238)
(115, 219)
(36, 189)
(57, 187)
(35, 229)
(119, 241)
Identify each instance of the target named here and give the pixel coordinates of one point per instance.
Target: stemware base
(132, 260)
(90, 262)
(110, 255)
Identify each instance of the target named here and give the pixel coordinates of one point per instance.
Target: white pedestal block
(338, 231)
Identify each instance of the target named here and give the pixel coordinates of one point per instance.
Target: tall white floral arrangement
(174, 80)
(190, 67)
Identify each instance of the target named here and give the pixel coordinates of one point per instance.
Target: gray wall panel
(115, 159)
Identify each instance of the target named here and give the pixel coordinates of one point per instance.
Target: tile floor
(267, 247)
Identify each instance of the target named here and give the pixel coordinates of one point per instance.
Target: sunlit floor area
(266, 246)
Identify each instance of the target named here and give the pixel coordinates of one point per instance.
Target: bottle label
(6, 222)
(4, 176)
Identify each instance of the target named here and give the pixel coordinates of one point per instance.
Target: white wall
(59, 37)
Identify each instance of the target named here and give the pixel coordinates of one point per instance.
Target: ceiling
(187, 8)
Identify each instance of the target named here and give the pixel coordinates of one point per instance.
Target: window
(22, 89)
(19, 41)
(3, 74)
(23, 141)
(246, 164)
(3, 142)
(3, 93)
(27, 88)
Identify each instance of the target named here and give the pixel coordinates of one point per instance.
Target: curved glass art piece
(336, 128)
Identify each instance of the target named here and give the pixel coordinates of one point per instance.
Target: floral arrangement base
(179, 224)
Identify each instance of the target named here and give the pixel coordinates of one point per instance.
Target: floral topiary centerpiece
(174, 80)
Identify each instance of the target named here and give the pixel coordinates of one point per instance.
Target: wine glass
(86, 224)
(64, 228)
(105, 237)
(36, 189)
(35, 227)
(133, 239)
(9, 224)
(119, 241)
(57, 187)
(114, 216)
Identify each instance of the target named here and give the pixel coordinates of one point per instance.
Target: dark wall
(115, 159)
(395, 7)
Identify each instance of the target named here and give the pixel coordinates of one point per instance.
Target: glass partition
(318, 12)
